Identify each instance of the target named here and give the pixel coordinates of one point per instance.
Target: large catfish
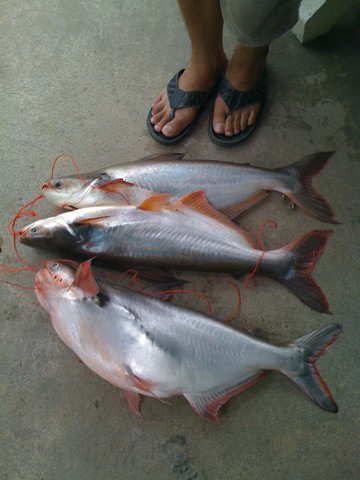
(187, 235)
(150, 347)
(229, 187)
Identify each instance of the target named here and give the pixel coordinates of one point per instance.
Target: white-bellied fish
(150, 347)
(187, 235)
(229, 187)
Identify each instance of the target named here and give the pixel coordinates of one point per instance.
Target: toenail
(167, 130)
(157, 128)
(219, 128)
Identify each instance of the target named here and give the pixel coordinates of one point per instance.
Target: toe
(159, 98)
(219, 117)
(253, 114)
(229, 126)
(158, 126)
(237, 124)
(244, 121)
(158, 106)
(160, 116)
(173, 128)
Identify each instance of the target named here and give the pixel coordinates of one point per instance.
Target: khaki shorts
(255, 23)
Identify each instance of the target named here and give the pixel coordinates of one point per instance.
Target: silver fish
(188, 235)
(229, 187)
(150, 347)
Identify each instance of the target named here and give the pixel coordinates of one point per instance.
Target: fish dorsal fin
(155, 203)
(197, 201)
(85, 280)
(164, 157)
(115, 186)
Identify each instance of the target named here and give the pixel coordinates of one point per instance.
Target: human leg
(255, 25)
(204, 23)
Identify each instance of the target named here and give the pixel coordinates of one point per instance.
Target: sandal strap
(180, 99)
(235, 99)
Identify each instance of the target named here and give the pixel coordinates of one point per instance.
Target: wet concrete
(79, 77)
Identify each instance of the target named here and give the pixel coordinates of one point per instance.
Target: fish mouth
(24, 232)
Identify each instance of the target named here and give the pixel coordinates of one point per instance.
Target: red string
(8, 269)
(238, 305)
(181, 290)
(72, 160)
(11, 228)
(250, 276)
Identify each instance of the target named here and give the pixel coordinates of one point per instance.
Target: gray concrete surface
(79, 77)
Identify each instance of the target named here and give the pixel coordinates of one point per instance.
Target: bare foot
(245, 72)
(196, 77)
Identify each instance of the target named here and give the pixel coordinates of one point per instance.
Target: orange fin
(85, 280)
(133, 401)
(240, 207)
(91, 221)
(198, 201)
(155, 203)
(207, 406)
(114, 186)
(140, 384)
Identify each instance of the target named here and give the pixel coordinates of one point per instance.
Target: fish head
(49, 232)
(51, 281)
(73, 191)
(68, 191)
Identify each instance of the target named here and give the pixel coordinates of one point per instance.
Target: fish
(229, 187)
(188, 234)
(150, 347)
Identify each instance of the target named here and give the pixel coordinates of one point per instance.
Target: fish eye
(57, 184)
(33, 230)
(54, 266)
(104, 176)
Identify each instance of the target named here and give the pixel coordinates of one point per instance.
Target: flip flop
(234, 99)
(180, 99)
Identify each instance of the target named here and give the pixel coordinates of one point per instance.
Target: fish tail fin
(303, 194)
(297, 278)
(308, 378)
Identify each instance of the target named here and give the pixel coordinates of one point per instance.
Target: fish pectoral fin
(85, 280)
(238, 208)
(206, 405)
(91, 221)
(116, 186)
(133, 401)
(155, 203)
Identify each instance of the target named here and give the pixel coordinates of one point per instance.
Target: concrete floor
(79, 77)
